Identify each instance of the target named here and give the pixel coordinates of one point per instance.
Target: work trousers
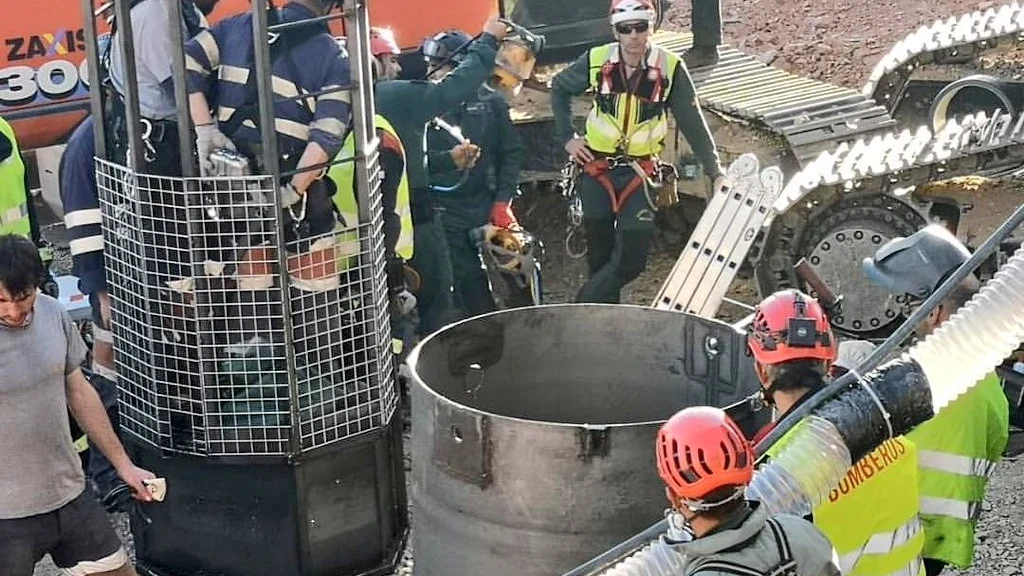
(617, 244)
(706, 22)
(432, 260)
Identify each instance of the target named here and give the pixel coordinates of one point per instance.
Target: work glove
(210, 138)
(502, 216)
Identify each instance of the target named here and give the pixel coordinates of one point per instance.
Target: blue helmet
(449, 45)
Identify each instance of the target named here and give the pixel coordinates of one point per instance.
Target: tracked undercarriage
(864, 199)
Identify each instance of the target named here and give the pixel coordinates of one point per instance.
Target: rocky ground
(838, 41)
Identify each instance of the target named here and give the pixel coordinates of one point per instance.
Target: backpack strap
(787, 564)
(785, 567)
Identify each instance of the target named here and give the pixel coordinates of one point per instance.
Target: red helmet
(700, 450)
(631, 10)
(790, 325)
(382, 41)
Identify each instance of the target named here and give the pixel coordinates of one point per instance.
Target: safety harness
(785, 567)
(651, 173)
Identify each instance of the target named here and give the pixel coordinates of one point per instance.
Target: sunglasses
(638, 27)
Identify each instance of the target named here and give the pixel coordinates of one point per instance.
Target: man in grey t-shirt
(44, 508)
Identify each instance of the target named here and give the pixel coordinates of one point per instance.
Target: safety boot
(701, 56)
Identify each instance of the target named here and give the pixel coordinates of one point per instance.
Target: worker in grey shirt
(44, 508)
(153, 46)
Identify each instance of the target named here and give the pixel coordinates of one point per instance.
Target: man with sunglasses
(871, 516)
(636, 84)
(959, 448)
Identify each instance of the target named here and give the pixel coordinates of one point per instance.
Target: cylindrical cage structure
(202, 342)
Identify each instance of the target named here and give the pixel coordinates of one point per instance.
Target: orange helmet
(790, 325)
(382, 41)
(701, 450)
(632, 10)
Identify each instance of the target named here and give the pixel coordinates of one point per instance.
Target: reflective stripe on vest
(883, 543)
(621, 130)
(955, 464)
(343, 176)
(871, 515)
(13, 195)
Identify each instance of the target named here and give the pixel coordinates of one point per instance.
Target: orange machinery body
(44, 76)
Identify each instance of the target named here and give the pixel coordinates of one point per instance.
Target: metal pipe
(272, 169)
(129, 78)
(367, 173)
(95, 89)
(188, 164)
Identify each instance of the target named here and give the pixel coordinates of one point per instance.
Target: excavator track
(867, 196)
(810, 115)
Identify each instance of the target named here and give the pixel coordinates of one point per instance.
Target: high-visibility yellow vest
(13, 195)
(959, 449)
(622, 123)
(871, 516)
(343, 175)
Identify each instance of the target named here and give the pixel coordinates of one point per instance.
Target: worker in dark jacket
(624, 182)
(472, 197)
(409, 105)
(306, 59)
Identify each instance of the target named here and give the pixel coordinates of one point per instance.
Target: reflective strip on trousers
(949, 507)
(882, 543)
(955, 463)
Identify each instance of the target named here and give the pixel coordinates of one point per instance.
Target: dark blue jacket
(313, 64)
(485, 121)
(80, 199)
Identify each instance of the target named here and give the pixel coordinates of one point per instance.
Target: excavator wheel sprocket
(835, 238)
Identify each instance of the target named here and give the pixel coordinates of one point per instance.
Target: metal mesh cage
(208, 362)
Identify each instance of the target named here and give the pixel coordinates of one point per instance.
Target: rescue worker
(83, 220)
(394, 188)
(636, 84)
(482, 192)
(43, 505)
(153, 47)
(871, 516)
(960, 446)
(706, 25)
(409, 105)
(17, 211)
(730, 534)
(309, 131)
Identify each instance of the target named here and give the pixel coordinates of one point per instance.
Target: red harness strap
(598, 168)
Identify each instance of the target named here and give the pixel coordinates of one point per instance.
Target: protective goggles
(434, 50)
(626, 28)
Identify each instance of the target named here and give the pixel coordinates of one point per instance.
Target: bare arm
(86, 407)
(199, 109)
(313, 154)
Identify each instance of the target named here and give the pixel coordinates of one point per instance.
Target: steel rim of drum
(832, 258)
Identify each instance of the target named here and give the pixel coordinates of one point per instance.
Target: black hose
(885, 348)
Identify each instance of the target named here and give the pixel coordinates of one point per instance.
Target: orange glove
(502, 216)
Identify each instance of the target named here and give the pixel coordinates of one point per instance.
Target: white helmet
(631, 11)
